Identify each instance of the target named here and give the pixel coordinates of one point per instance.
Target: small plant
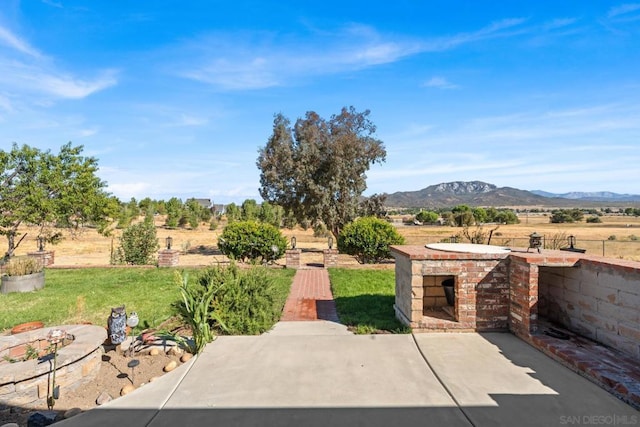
(196, 310)
(556, 241)
(633, 237)
(186, 246)
(21, 266)
(612, 237)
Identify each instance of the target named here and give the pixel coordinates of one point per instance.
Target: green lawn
(364, 300)
(87, 295)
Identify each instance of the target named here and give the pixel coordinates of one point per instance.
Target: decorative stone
(170, 366)
(104, 398)
(72, 412)
(10, 425)
(42, 418)
(186, 357)
(127, 389)
(175, 351)
(152, 379)
(154, 352)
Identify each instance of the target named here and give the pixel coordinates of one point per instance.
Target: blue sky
(175, 97)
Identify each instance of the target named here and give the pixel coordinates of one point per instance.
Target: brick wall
(481, 288)
(598, 299)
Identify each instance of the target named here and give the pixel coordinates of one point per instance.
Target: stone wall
(599, 299)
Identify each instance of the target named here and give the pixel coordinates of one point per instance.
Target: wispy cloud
(440, 83)
(53, 3)
(25, 70)
(623, 9)
(11, 40)
(256, 60)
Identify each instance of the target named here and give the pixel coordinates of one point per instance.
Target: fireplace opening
(439, 297)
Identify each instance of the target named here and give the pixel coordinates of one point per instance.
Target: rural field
(618, 236)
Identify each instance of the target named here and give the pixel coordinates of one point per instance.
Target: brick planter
(293, 258)
(46, 258)
(168, 258)
(330, 258)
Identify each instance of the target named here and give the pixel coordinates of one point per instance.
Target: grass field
(364, 300)
(87, 295)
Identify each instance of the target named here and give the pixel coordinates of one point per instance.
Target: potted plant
(22, 274)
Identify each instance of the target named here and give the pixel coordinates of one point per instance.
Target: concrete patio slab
(498, 379)
(366, 380)
(309, 328)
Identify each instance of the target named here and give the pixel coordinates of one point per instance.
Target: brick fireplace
(481, 290)
(521, 292)
(593, 301)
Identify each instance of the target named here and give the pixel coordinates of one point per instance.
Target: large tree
(317, 170)
(41, 188)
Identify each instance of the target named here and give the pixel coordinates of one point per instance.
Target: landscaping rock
(154, 352)
(104, 398)
(170, 366)
(72, 412)
(127, 389)
(186, 357)
(42, 418)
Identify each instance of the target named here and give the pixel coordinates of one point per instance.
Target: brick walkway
(310, 297)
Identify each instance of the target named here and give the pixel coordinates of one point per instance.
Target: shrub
(243, 300)
(250, 240)
(138, 245)
(22, 265)
(368, 239)
(594, 220)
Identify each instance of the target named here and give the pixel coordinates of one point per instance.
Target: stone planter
(26, 283)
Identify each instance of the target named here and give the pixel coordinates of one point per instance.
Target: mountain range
(478, 193)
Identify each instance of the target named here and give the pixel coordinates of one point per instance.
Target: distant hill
(596, 196)
(478, 193)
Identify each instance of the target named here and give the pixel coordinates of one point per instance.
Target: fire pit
(25, 372)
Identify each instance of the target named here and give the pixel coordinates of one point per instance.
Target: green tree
(233, 213)
(480, 215)
(374, 206)
(566, 215)
(138, 245)
(41, 188)
(174, 212)
(271, 214)
(463, 216)
(317, 170)
(368, 239)
(427, 217)
(250, 210)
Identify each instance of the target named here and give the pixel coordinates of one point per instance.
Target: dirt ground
(621, 235)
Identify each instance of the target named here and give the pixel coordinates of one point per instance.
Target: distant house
(217, 209)
(205, 203)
